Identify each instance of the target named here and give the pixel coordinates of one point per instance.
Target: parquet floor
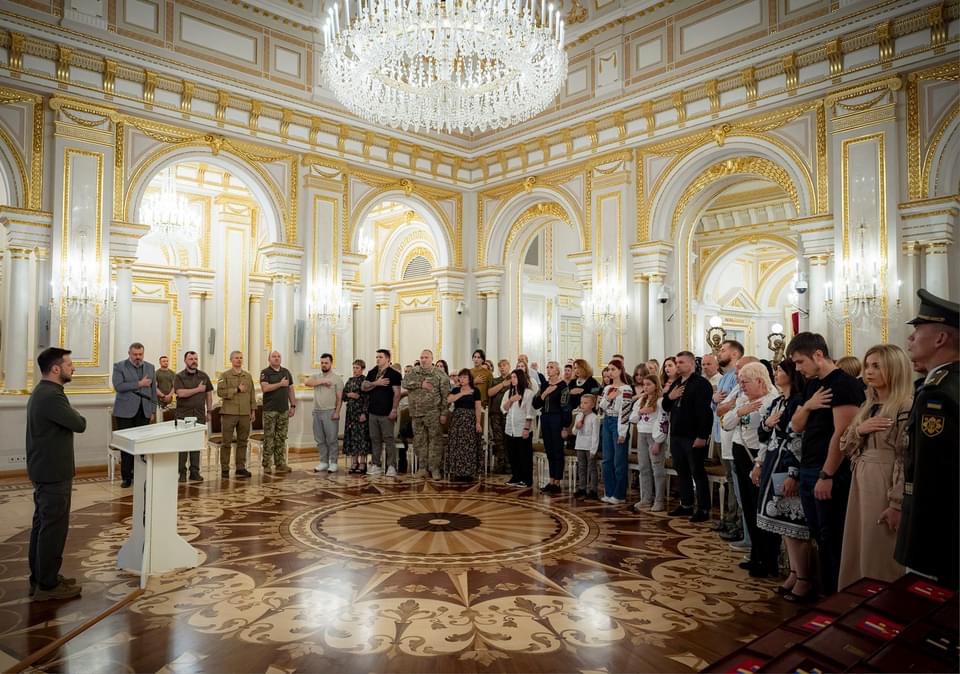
(348, 574)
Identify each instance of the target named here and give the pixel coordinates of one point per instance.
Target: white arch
(400, 242)
(12, 190)
(945, 175)
(429, 216)
(505, 217)
(271, 209)
(676, 182)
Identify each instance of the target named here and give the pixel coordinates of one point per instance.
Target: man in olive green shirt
(51, 423)
(238, 408)
(165, 377)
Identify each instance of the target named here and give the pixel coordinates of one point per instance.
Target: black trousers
(765, 546)
(51, 520)
(126, 460)
(520, 455)
(551, 428)
(194, 462)
(690, 464)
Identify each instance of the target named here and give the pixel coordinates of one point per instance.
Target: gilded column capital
(937, 247)
(818, 259)
(911, 248)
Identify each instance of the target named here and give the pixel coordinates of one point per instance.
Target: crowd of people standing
(854, 475)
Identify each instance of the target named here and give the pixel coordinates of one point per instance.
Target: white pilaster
(937, 269)
(639, 317)
(492, 337)
(655, 331)
(817, 294)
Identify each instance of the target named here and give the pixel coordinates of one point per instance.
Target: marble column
(817, 291)
(123, 319)
(195, 333)
(255, 315)
(384, 338)
(16, 342)
(639, 316)
(936, 273)
(448, 328)
(908, 281)
(803, 300)
(655, 339)
(491, 340)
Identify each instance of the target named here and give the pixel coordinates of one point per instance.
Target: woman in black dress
(356, 434)
(463, 451)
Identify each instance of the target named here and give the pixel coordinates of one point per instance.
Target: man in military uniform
(279, 405)
(428, 387)
(165, 377)
(194, 399)
(238, 409)
(928, 541)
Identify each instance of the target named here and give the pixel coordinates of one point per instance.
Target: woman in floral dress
(356, 434)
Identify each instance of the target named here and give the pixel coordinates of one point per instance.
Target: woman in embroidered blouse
(779, 458)
(356, 434)
(616, 403)
(517, 407)
(652, 427)
(756, 395)
(874, 444)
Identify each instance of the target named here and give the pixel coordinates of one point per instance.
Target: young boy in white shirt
(586, 428)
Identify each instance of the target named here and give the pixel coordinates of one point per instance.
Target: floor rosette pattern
(347, 574)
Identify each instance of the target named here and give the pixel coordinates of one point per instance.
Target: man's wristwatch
(824, 475)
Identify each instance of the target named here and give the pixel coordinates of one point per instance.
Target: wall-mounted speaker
(299, 329)
(212, 341)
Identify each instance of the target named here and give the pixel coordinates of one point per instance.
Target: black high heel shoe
(804, 598)
(784, 591)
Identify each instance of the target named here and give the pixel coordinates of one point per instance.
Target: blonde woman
(757, 394)
(874, 443)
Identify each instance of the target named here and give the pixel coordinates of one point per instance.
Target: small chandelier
(606, 302)
(85, 289)
(444, 65)
(328, 303)
(169, 214)
(860, 289)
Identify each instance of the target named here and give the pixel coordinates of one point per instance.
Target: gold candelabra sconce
(716, 334)
(777, 343)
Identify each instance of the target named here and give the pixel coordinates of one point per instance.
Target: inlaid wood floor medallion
(305, 574)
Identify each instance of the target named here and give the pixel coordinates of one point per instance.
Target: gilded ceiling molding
(752, 165)
(32, 189)
(934, 145)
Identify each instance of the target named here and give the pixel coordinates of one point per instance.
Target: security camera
(663, 296)
(801, 286)
(461, 307)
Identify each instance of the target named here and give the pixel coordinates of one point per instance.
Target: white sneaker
(374, 470)
(613, 500)
(391, 472)
(606, 499)
(320, 468)
(333, 468)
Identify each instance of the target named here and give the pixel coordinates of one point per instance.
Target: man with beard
(194, 399)
(51, 423)
(136, 401)
(327, 401)
(733, 528)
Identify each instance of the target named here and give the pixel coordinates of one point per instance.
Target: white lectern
(154, 546)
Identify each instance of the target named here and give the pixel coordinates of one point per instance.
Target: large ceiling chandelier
(444, 65)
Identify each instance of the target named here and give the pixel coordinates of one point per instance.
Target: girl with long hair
(668, 373)
(616, 403)
(517, 407)
(652, 427)
(874, 444)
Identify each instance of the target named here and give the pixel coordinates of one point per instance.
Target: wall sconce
(776, 342)
(716, 334)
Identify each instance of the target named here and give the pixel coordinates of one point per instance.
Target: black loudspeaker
(43, 326)
(299, 328)
(212, 341)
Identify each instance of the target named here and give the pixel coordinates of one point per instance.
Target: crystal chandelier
(860, 291)
(169, 214)
(444, 65)
(86, 291)
(328, 303)
(606, 302)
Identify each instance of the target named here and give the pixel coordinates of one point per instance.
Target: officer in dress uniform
(928, 540)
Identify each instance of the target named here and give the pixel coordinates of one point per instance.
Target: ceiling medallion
(444, 65)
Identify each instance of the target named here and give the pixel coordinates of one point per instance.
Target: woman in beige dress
(874, 445)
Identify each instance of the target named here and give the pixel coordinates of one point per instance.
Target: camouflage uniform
(426, 408)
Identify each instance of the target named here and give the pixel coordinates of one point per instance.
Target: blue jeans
(826, 519)
(614, 460)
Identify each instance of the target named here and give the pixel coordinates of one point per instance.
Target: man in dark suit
(136, 401)
(51, 423)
